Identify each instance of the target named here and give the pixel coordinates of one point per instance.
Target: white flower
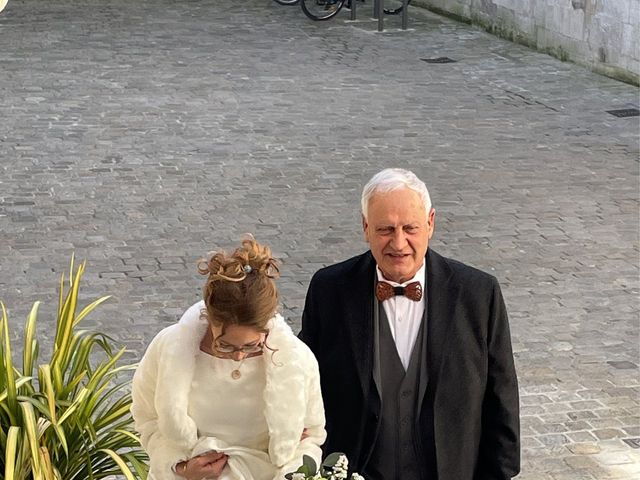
(298, 476)
(356, 476)
(340, 469)
(339, 473)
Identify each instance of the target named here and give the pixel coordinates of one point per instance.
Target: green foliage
(68, 418)
(308, 467)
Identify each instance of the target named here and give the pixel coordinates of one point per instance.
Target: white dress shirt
(405, 315)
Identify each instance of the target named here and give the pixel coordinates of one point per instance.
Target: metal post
(405, 14)
(380, 15)
(375, 8)
(353, 9)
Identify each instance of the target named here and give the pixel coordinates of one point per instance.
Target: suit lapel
(358, 291)
(440, 311)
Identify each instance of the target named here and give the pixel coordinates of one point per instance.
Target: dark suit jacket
(469, 419)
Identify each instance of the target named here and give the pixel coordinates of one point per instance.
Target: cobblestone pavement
(141, 134)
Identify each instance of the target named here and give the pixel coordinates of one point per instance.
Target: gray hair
(391, 179)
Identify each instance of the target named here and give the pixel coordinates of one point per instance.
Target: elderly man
(414, 350)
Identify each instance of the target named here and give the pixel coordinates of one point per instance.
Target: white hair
(391, 179)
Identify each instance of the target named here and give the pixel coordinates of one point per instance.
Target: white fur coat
(292, 402)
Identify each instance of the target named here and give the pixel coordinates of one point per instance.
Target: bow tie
(385, 291)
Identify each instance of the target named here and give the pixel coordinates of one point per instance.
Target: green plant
(68, 418)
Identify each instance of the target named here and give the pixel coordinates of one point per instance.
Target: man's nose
(399, 240)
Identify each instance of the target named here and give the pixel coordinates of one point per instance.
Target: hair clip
(247, 269)
(272, 269)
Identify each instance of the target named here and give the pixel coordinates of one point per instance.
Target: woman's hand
(305, 434)
(207, 465)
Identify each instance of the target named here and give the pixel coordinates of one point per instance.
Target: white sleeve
(163, 454)
(314, 423)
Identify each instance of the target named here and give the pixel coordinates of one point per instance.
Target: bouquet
(334, 467)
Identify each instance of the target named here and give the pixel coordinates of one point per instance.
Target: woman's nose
(239, 355)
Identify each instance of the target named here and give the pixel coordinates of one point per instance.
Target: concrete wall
(602, 34)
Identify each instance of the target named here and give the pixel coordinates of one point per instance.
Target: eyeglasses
(226, 349)
(229, 349)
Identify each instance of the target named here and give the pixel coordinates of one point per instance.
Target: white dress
(228, 409)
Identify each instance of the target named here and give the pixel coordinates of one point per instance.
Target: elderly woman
(229, 392)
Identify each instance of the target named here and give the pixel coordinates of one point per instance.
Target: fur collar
(285, 384)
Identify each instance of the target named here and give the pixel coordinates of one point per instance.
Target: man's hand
(207, 465)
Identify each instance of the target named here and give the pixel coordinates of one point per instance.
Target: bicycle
(321, 10)
(284, 2)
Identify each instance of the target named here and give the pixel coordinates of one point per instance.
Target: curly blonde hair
(240, 287)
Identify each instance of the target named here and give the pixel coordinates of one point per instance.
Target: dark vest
(396, 454)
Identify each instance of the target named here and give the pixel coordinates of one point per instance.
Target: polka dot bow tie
(385, 291)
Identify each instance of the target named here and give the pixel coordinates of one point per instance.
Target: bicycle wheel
(286, 2)
(393, 7)
(320, 10)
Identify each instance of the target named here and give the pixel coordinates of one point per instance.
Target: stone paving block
(575, 473)
(581, 436)
(608, 433)
(579, 425)
(631, 430)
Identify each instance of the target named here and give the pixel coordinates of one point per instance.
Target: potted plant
(66, 418)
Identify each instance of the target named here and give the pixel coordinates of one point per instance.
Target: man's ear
(431, 221)
(365, 229)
